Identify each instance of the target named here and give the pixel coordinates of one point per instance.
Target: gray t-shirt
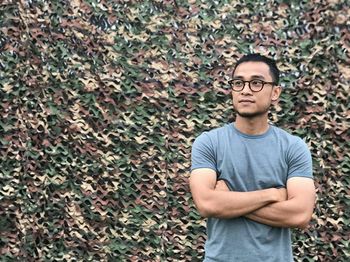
(249, 163)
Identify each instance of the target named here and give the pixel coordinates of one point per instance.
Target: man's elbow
(204, 209)
(303, 224)
(207, 206)
(300, 221)
(204, 213)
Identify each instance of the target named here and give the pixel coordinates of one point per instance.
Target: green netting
(101, 101)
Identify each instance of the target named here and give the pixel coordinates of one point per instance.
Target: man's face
(251, 104)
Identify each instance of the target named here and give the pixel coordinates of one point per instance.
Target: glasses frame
(249, 81)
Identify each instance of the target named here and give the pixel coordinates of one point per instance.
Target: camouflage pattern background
(101, 101)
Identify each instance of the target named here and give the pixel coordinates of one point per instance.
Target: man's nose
(246, 88)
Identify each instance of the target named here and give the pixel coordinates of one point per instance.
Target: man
(253, 181)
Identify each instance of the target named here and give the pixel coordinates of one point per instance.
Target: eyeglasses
(254, 85)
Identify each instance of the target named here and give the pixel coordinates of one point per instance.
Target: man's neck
(252, 126)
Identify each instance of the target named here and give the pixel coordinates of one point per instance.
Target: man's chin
(251, 114)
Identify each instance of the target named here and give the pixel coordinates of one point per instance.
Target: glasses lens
(237, 84)
(256, 85)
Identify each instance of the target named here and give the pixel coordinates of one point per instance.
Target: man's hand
(295, 211)
(282, 194)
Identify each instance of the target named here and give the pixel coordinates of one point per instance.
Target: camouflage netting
(102, 99)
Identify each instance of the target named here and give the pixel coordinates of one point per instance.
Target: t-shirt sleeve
(203, 155)
(300, 161)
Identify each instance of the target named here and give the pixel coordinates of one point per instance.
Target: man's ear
(276, 92)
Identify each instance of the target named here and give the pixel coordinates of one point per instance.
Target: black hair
(275, 72)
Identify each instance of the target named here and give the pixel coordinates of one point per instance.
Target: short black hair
(275, 72)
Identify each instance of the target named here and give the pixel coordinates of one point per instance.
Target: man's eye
(238, 83)
(256, 82)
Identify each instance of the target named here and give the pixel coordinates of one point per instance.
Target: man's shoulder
(217, 131)
(221, 129)
(286, 135)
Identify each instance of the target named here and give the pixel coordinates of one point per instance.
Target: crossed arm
(291, 207)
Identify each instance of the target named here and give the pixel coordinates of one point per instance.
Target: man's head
(274, 71)
(254, 85)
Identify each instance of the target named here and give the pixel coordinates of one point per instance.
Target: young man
(253, 181)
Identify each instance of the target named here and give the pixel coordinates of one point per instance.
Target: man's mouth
(246, 101)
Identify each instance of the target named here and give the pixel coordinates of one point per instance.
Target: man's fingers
(283, 196)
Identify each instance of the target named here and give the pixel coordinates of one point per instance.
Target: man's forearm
(287, 213)
(228, 204)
